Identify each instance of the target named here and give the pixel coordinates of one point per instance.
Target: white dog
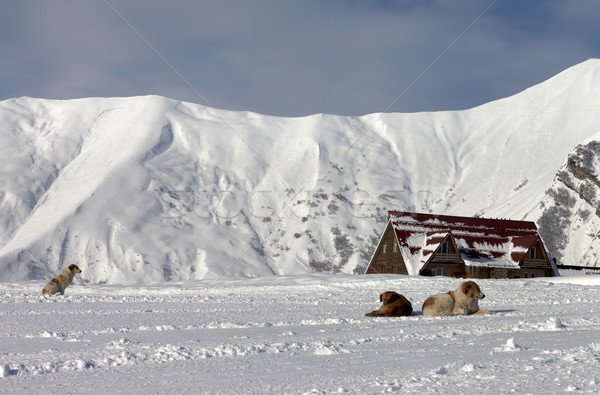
(62, 281)
(462, 301)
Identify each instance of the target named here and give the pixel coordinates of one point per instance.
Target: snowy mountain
(144, 189)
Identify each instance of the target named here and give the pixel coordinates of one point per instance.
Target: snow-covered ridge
(145, 189)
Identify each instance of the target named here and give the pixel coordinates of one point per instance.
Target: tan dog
(464, 300)
(62, 281)
(394, 305)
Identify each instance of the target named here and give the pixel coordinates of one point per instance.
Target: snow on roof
(412, 251)
(481, 241)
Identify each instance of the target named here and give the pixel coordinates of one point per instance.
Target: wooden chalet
(443, 245)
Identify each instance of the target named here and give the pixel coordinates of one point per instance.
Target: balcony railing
(529, 262)
(439, 257)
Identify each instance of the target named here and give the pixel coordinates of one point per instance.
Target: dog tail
(373, 314)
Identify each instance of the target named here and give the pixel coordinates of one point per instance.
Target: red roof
(481, 241)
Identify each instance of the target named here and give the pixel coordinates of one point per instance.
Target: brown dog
(394, 305)
(464, 300)
(62, 281)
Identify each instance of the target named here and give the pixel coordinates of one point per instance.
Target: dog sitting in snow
(462, 301)
(394, 305)
(62, 281)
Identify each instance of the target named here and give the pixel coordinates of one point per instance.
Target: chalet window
(386, 247)
(525, 275)
(441, 271)
(445, 248)
(532, 275)
(532, 253)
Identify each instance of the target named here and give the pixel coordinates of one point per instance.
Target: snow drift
(143, 189)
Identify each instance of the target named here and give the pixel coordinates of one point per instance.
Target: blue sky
(293, 58)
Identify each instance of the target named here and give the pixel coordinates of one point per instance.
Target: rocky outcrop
(569, 213)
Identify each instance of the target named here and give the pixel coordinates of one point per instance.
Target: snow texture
(300, 334)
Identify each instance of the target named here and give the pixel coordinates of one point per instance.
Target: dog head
(389, 297)
(74, 269)
(471, 290)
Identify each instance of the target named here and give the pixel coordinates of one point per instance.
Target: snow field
(297, 334)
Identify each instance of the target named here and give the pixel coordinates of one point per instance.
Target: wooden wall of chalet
(387, 257)
(484, 272)
(494, 272)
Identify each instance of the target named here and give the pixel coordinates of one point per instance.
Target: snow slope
(298, 335)
(143, 189)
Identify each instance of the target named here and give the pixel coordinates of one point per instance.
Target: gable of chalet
(388, 254)
(461, 245)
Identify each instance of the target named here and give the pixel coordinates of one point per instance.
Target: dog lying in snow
(462, 301)
(62, 281)
(394, 305)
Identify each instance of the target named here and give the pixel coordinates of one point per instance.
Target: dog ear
(381, 297)
(472, 290)
(467, 288)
